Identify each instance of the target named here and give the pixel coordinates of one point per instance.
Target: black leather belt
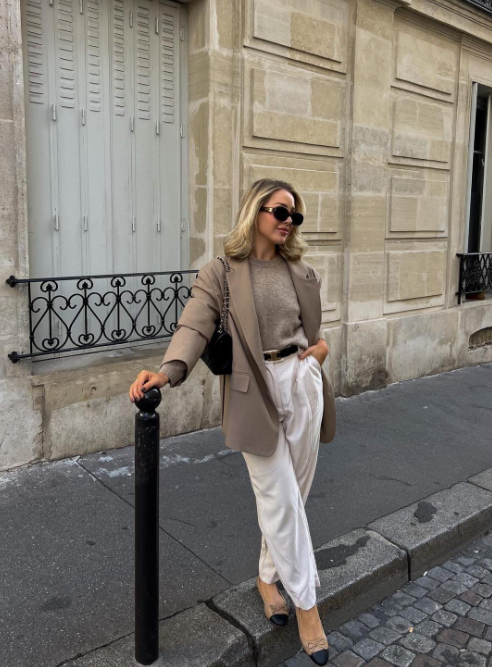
(274, 355)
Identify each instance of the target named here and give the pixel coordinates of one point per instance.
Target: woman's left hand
(319, 351)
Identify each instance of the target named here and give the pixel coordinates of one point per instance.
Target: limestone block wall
(20, 416)
(365, 106)
(295, 118)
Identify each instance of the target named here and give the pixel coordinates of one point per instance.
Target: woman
(278, 402)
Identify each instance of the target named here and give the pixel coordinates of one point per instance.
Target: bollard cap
(150, 401)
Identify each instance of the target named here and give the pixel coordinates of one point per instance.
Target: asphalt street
(67, 527)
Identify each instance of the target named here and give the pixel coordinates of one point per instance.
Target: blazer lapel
(242, 309)
(307, 290)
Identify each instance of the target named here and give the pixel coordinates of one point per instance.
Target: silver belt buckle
(274, 355)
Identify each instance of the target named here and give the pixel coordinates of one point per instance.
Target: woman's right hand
(145, 381)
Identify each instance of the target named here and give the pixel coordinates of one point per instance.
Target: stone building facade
(365, 105)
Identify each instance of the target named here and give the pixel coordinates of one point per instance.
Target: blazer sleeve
(195, 326)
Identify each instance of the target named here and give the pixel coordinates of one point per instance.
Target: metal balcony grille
(77, 313)
(475, 273)
(483, 4)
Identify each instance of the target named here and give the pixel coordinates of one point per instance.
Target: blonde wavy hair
(239, 242)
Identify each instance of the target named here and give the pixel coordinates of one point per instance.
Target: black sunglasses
(281, 213)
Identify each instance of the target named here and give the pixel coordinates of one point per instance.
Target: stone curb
(192, 638)
(356, 570)
(434, 528)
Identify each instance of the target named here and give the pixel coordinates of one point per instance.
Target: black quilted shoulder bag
(218, 351)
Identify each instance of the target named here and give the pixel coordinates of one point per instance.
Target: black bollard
(147, 528)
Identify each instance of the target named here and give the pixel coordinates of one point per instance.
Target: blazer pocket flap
(239, 381)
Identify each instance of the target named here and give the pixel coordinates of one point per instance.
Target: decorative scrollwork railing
(483, 4)
(475, 273)
(79, 313)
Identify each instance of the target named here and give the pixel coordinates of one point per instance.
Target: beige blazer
(250, 419)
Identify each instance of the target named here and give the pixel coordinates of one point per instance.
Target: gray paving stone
(383, 613)
(414, 641)
(440, 573)
(414, 590)
(447, 618)
(347, 659)
(399, 623)
(481, 615)
(453, 637)
(391, 603)
(398, 655)
(456, 587)
(471, 598)
(338, 641)
(379, 662)
(457, 606)
(485, 562)
(477, 571)
(480, 646)
(425, 660)
(403, 597)
(367, 648)
(370, 620)
(441, 595)
(467, 579)
(414, 615)
(427, 605)
(426, 582)
(470, 659)
(384, 635)
(470, 626)
(428, 628)
(299, 660)
(465, 560)
(485, 590)
(446, 653)
(354, 629)
(453, 565)
(486, 604)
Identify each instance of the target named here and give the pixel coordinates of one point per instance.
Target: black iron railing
(475, 273)
(483, 4)
(78, 313)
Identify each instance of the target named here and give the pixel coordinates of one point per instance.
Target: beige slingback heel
(278, 614)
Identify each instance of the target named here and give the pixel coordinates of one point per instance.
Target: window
(479, 195)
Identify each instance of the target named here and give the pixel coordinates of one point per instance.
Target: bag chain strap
(225, 305)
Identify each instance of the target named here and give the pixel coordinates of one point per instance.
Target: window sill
(90, 362)
(476, 302)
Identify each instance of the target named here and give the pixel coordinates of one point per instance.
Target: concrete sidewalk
(67, 530)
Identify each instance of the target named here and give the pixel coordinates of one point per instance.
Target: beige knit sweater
(277, 309)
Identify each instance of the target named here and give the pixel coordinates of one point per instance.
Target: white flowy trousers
(281, 482)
